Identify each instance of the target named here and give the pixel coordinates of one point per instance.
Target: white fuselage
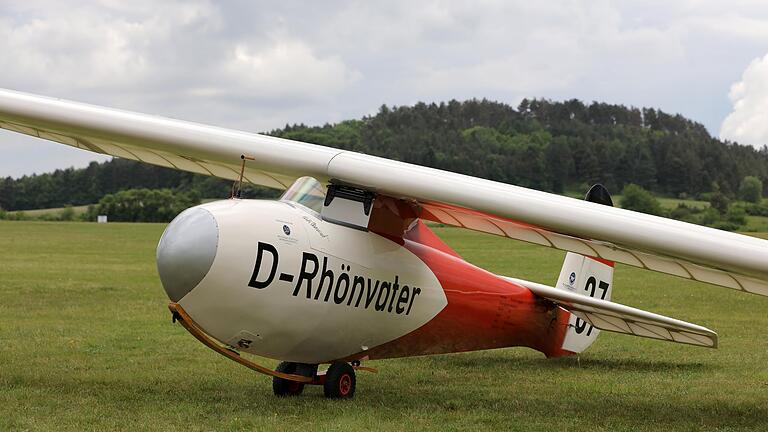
(287, 285)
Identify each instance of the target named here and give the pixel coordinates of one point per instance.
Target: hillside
(541, 144)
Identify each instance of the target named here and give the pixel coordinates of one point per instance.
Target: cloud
(254, 66)
(58, 53)
(162, 57)
(748, 122)
(534, 49)
(286, 69)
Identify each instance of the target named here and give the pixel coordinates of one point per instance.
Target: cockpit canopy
(306, 191)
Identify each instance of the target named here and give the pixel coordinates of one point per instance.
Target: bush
(709, 216)
(753, 209)
(685, 213)
(67, 214)
(638, 199)
(17, 215)
(89, 215)
(726, 226)
(143, 205)
(736, 215)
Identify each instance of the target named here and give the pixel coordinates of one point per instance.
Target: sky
(257, 65)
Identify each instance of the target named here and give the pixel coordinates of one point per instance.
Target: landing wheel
(284, 387)
(339, 381)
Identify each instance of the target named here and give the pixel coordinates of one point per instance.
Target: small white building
(101, 219)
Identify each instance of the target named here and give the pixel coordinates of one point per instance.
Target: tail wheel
(340, 381)
(284, 387)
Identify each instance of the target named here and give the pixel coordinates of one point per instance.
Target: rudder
(587, 276)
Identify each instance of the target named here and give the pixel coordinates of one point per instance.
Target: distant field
(668, 203)
(77, 209)
(88, 344)
(671, 203)
(52, 211)
(756, 223)
(665, 202)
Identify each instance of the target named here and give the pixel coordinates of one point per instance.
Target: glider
(342, 268)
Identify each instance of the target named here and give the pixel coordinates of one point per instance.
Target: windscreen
(306, 191)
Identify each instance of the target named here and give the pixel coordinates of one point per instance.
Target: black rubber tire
(283, 387)
(340, 381)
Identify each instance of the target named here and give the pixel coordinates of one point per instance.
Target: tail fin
(593, 277)
(587, 276)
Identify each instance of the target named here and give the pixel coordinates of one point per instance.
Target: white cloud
(257, 66)
(437, 50)
(99, 50)
(748, 123)
(60, 53)
(286, 69)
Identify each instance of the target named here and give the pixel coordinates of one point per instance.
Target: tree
(751, 189)
(719, 202)
(638, 199)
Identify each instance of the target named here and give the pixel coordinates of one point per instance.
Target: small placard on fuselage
(346, 212)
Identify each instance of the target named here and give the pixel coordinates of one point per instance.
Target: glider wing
(161, 141)
(655, 243)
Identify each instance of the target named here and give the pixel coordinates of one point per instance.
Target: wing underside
(227, 169)
(473, 220)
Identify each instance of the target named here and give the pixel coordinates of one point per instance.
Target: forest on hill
(541, 144)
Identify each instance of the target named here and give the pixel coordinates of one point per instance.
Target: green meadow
(87, 343)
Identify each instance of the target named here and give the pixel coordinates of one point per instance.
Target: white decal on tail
(590, 277)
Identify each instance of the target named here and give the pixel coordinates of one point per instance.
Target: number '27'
(592, 285)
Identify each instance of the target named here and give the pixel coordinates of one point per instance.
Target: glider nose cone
(186, 251)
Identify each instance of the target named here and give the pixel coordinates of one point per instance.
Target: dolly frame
(180, 315)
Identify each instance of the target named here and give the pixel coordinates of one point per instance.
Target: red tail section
(420, 233)
(484, 311)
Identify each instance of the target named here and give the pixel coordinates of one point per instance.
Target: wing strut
(236, 191)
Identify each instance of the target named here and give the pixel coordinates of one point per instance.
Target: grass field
(88, 344)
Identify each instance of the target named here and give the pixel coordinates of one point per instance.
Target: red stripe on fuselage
(484, 311)
(420, 233)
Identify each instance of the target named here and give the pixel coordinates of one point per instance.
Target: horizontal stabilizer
(614, 317)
